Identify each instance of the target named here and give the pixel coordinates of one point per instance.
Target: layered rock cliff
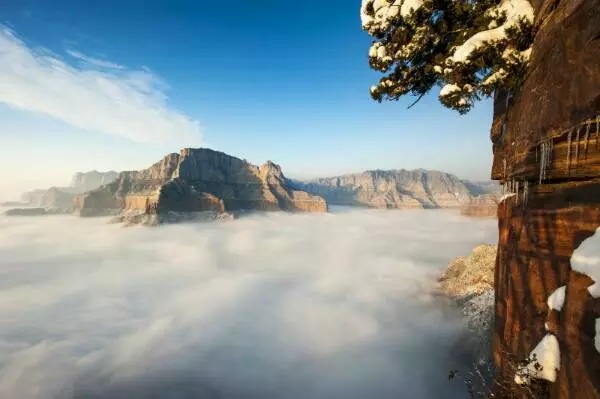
(87, 181)
(62, 198)
(547, 152)
(199, 180)
(395, 189)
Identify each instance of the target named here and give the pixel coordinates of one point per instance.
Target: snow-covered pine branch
(468, 47)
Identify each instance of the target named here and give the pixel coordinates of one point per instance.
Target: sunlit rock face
(547, 149)
(395, 189)
(199, 180)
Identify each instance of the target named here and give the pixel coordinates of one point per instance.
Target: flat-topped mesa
(198, 180)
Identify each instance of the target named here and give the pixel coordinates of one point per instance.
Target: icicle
(542, 161)
(597, 129)
(577, 147)
(517, 191)
(569, 150)
(525, 192)
(587, 137)
(505, 166)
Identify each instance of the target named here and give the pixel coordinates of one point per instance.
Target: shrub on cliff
(470, 47)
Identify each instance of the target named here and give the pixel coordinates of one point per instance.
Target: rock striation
(395, 189)
(198, 180)
(547, 154)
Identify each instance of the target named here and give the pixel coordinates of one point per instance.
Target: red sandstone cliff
(547, 152)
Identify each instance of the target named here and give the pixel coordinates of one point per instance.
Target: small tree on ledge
(469, 47)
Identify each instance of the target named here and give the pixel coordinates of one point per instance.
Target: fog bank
(268, 306)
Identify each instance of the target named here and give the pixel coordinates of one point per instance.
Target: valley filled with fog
(273, 305)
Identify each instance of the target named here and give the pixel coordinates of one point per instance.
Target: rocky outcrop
(546, 151)
(394, 189)
(54, 197)
(469, 281)
(62, 198)
(485, 206)
(198, 180)
(470, 275)
(88, 181)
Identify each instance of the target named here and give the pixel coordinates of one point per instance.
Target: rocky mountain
(87, 181)
(198, 180)
(484, 205)
(395, 189)
(63, 197)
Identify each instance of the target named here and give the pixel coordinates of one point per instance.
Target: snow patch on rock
(543, 362)
(586, 260)
(556, 300)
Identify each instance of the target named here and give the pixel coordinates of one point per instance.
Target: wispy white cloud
(94, 95)
(94, 62)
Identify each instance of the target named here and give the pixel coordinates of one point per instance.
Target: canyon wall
(198, 180)
(397, 189)
(546, 143)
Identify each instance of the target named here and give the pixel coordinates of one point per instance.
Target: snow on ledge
(556, 300)
(506, 196)
(586, 260)
(544, 361)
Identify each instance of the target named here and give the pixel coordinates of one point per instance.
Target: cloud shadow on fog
(270, 306)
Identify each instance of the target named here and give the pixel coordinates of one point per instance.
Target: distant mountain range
(203, 180)
(399, 189)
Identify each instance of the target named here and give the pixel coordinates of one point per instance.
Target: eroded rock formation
(198, 180)
(395, 189)
(61, 199)
(481, 206)
(547, 152)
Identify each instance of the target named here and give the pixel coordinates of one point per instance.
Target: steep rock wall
(197, 180)
(547, 153)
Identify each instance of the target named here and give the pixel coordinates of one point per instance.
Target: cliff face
(547, 152)
(197, 180)
(393, 189)
(87, 181)
(63, 197)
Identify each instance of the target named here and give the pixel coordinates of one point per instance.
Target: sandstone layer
(395, 189)
(198, 180)
(547, 152)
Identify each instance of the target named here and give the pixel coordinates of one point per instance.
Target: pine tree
(469, 47)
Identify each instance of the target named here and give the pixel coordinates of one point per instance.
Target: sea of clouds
(267, 306)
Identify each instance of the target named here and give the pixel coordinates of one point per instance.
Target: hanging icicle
(517, 191)
(586, 139)
(577, 147)
(569, 150)
(597, 129)
(525, 192)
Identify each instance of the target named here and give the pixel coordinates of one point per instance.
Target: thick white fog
(268, 306)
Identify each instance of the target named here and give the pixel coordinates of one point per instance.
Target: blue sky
(117, 84)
